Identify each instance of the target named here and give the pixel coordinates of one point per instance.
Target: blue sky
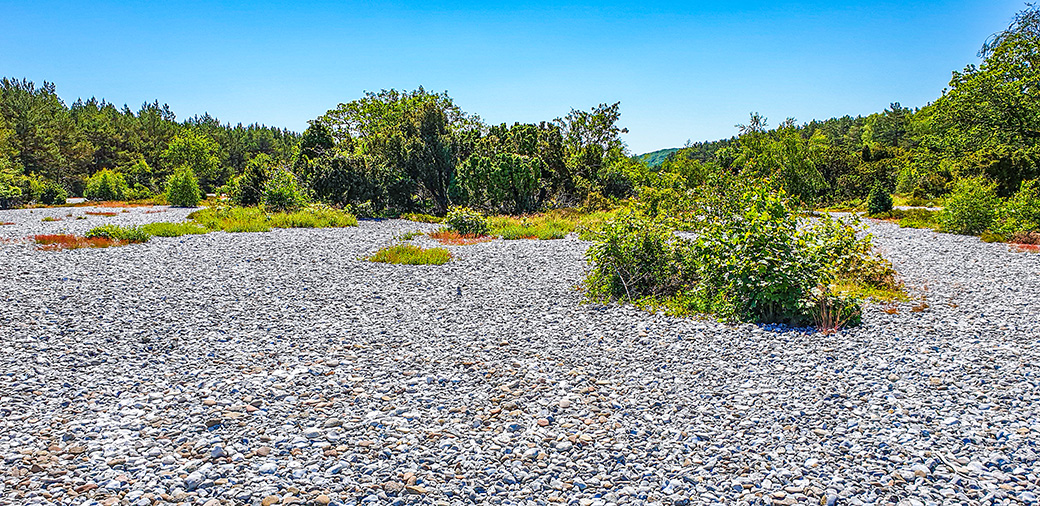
(681, 70)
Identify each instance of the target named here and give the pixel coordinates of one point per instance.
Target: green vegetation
(283, 193)
(749, 259)
(118, 233)
(182, 188)
(165, 229)
(252, 219)
(409, 254)
(466, 221)
(879, 201)
(656, 158)
(971, 207)
(106, 185)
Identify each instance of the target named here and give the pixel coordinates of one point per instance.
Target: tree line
(393, 151)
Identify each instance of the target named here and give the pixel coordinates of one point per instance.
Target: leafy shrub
(118, 233)
(53, 195)
(1020, 214)
(409, 254)
(106, 185)
(635, 258)
(282, 192)
(466, 221)
(879, 201)
(971, 207)
(250, 185)
(182, 188)
(165, 229)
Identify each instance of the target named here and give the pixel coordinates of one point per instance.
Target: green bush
(53, 195)
(971, 207)
(282, 192)
(879, 201)
(1020, 214)
(250, 185)
(635, 258)
(466, 221)
(118, 233)
(182, 188)
(106, 185)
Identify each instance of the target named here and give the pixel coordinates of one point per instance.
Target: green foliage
(165, 229)
(106, 185)
(971, 207)
(466, 221)
(421, 218)
(749, 259)
(199, 153)
(118, 233)
(410, 254)
(253, 219)
(879, 201)
(542, 227)
(1020, 214)
(282, 192)
(636, 258)
(53, 194)
(657, 158)
(182, 188)
(250, 185)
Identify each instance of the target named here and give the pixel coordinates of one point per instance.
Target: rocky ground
(278, 368)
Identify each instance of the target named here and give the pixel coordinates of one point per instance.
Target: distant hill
(657, 157)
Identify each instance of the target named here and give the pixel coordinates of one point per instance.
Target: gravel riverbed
(278, 368)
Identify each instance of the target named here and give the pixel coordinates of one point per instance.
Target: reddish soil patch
(55, 242)
(100, 213)
(1026, 248)
(453, 238)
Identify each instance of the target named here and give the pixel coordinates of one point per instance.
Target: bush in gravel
(282, 192)
(106, 185)
(466, 221)
(971, 207)
(409, 254)
(1020, 214)
(118, 233)
(879, 201)
(635, 258)
(182, 188)
(751, 262)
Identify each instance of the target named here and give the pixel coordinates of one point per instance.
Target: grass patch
(912, 218)
(555, 224)
(118, 233)
(164, 229)
(56, 242)
(421, 218)
(900, 200)
(6, 223)
(252, 219)
(409, 254)
(454, 238)
(887, 293)
(50, 219)
(408, 236)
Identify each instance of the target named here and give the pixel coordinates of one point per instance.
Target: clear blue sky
(681, 70)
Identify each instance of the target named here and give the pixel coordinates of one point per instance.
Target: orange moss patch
(153, 211)
(6, 223)
(55, 242)
(453, 238)
(1026, 248)
(100, 213)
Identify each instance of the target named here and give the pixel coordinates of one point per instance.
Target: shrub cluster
(752, 261)
(282, 192)
(182, 188)
(106, 185)
(879, 201)
(466, 221)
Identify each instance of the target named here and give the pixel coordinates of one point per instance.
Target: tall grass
(253, 219)
(410, 254)
(165, 229)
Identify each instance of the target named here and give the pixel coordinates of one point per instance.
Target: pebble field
(279, 368)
